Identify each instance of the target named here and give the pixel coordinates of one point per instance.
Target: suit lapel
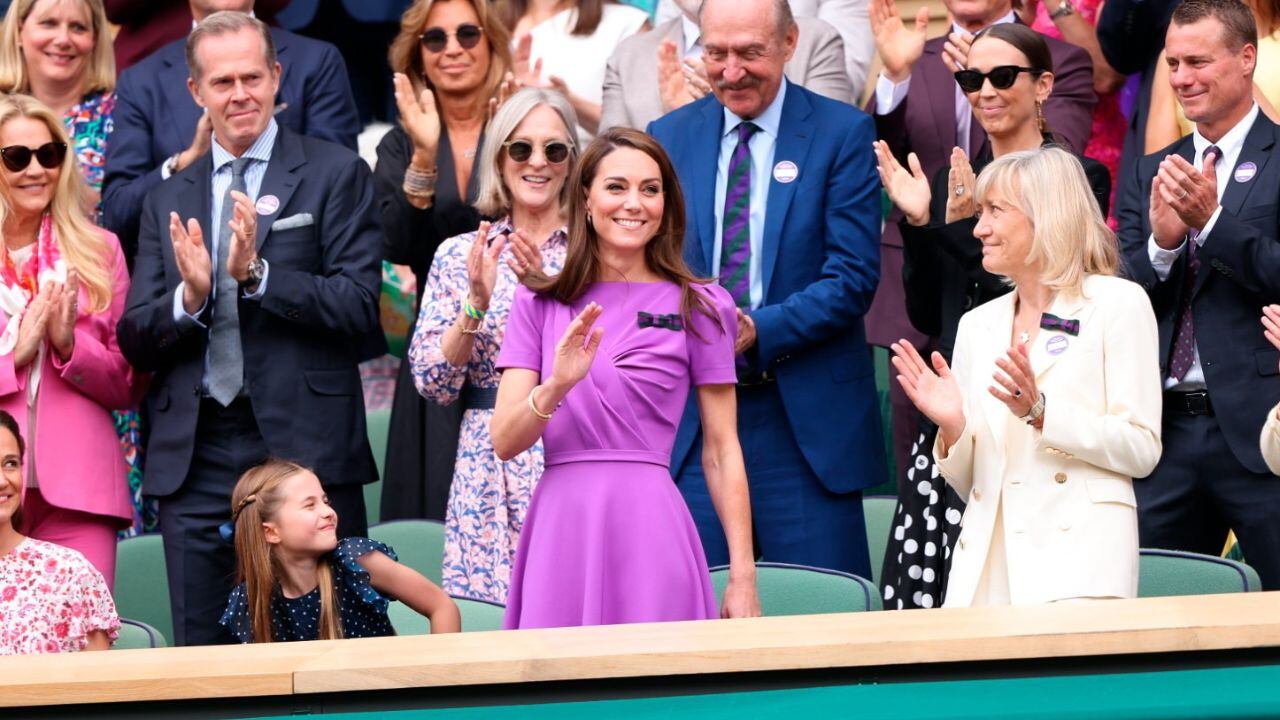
(196, 202)
(1257, 148)
(1070, 307)
(940, 89)
(280, 180)
(705, 136)
(795, 134)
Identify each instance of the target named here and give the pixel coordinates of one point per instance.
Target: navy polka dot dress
(363, 609)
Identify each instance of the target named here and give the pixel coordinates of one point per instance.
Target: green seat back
(418, 543)
(801, 590)
(378, 423)
(136, 635)
(878, 511)
(142, 584)
(1162, 573)
(477, 616)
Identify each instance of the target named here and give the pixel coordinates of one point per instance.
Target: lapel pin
(267, 204)
(1056, 345)
(1245, 172)
(785, 171)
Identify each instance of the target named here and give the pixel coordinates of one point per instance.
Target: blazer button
(977, 494)
(962, 543)
(1060, 478)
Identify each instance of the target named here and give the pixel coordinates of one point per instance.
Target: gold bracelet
(534, 406)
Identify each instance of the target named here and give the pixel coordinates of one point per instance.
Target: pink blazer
(80, 464)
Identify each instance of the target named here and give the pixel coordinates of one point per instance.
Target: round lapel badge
(1245, 172)
(785, 171)
(1056, 344)
(267, 204)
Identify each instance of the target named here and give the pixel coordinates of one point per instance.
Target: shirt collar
(768, 121)
(692, 33)
(259, 150)
(1231, 143)
(1008, 18)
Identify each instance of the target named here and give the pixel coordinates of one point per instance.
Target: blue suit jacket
(302, 339)
(156, 117)
(820, 268)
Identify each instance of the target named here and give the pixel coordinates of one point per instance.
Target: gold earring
(1040, 115)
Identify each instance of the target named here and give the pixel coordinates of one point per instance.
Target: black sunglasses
(555, 151)
(18, 157)
(435, 39)
(1001, 77)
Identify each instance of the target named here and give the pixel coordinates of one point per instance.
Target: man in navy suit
(1200, 230)
(783, 207)
(254, 296)
(159, 130)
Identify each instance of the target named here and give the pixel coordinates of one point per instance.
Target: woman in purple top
(598, 362)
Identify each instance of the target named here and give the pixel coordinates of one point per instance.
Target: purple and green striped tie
(735, 245)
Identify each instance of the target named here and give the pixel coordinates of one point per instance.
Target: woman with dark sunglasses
(450, 59)
(1008, 79)
(63, 283)
(529, 152)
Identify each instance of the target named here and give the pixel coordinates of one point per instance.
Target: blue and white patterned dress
(488, 498)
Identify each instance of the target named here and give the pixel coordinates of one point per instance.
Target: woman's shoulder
(714, 292)
(1112, 289)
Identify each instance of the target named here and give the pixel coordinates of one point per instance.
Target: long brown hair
(256, 500)
(405, 54)
(590, 12)
(7, 422)
(663, 254)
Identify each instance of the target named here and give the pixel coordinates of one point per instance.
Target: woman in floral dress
(527, 156)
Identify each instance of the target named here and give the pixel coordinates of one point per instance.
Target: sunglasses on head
(18, 157)
(435, 39)
(555, 151)
(1001, 77)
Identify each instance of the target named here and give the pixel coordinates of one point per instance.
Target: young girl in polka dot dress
(299, 582)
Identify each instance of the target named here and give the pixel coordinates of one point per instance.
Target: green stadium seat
(136, 635)
(802, 590)
(477, 616)
(878, 511)
(418, 543)
(1162, 573)
(142, 584)
(378, 423)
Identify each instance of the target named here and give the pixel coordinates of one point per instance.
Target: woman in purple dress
(598, 362)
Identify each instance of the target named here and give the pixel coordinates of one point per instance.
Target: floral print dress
(51, 600)
(488, 498)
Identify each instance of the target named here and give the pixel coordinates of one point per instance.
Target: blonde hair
(100, 74)
(79, 241)
(494, 197)
(1070, 239)
(405, 54)
(256, 500)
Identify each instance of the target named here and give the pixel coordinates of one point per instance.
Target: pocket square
(293, 221)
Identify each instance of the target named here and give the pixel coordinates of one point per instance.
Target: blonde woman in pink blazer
(63, 283)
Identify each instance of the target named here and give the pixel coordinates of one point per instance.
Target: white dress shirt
(1162, 260)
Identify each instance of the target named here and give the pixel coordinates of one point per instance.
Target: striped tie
(735, 246)
(1184, 339)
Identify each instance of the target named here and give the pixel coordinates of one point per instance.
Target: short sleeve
(522, 346)
(352, 575)
(236, 617)
(89, 604)
(711, 358)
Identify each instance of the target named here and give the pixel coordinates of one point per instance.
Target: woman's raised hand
(1271, 324)
(482, 266)
(526, 256)
(63, 308)
(934, 391)
(418, 115)
(961, 183)
(577, 348)
(33, 327)
(908, 190)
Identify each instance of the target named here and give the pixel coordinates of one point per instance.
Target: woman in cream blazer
(1054, 402)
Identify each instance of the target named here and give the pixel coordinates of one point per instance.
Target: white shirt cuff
(1162, 260)
(180, 316)
(889, 95)
(165, 174)
(1208, 227)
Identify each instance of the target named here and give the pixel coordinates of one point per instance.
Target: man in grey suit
(633, 79)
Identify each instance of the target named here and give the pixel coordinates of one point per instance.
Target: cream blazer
(1271, 441)
(1070, 518)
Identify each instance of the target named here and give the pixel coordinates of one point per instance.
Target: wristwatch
(1065, 9)
(1035, 413)
(256, 269)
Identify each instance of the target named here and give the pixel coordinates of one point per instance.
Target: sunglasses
(435, 39)
(17, 157)
(555, 151)
(1001, 77)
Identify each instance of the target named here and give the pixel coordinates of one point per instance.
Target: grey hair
(226, 22)
(494, 197)
(784, 20)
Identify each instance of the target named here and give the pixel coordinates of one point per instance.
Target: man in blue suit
(159, 130)
(254, 296)
(784, 207)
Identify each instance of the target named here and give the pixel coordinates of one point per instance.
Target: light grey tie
(226, 358)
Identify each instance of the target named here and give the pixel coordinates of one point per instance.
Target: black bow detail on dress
(668, 322)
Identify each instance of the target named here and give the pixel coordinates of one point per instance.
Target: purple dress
(608, 538)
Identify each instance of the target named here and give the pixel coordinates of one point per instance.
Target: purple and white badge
(785, 171)
(267, 204)
(1056, 344)
(1245, 172)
